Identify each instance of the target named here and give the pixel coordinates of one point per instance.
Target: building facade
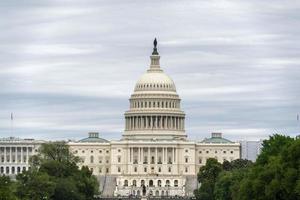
(154, 155)
(251, 149)
(15, 154)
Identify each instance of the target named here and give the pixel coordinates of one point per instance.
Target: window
(126, 183)
(100, 151)
(186, 159)
(224, 152)
(159, 160)
(119, 150)
(92, 159)
(200, 160)
(152, 160)
(134, 182)
(82, 151)
(107, 170)
(92, 151)
(200, 152)
(145, 169)
(159, 183)
(216, 151)
(186, 169)
(159, 169)
(135, 169)
(231, 152)
(167, 183)
(119, 159)
(207, 151)
(107, 151)
(119, 169)
(186, 151)
(169, 169)
(176, 183)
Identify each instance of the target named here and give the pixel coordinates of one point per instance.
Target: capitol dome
(155, 81)
(154, 111)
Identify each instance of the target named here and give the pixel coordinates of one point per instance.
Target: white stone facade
(15, 154)
(154, 156)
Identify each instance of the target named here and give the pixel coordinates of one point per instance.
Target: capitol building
(154, 156)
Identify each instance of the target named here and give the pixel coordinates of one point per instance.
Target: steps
(107, 185)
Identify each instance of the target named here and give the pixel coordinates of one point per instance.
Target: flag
(11, 116)
(298, 117)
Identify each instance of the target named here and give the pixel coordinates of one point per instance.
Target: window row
(151, 183)
(155, 86)
(154, 104)
(224, 152)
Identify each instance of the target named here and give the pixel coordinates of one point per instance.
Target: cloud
(69, 67)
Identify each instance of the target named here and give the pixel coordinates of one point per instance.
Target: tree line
(274, 176)
(53, 175)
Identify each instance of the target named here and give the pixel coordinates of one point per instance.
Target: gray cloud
(69, 67)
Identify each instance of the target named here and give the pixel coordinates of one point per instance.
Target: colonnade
(14, 159)
(152, 155)
(154, 122)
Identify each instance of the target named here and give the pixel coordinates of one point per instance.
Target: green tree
(207, 177)
(6, 188)
(56, 169)
(34, 185)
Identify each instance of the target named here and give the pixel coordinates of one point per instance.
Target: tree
(207, 177)
(34, 185)
(55, 169)
(6, 188)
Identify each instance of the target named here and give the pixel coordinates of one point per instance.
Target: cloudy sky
(69, 67)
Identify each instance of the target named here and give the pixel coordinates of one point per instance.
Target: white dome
(155, 80)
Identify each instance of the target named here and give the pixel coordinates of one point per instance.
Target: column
(156, 122)
(27, 155)
(21, 155)
(142, 154)
(5, 154)
(10, 155)
(148, 159)
(151, 122)
(128, 155)
(139, 155)
(163, 155)
(156, 160)
(173, 155)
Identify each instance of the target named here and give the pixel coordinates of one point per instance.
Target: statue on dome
(155, 52)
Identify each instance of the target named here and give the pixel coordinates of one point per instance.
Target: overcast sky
(69, 67)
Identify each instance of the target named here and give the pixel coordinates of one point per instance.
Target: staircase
(107, 185)
(190, 185)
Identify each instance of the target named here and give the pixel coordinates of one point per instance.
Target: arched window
(142, 182)
(176, 183)
(167, 183)
(126, 183)
(159, 183)
(151, 183)
(134, 182)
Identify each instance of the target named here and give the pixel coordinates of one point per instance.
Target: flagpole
(11, 124)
